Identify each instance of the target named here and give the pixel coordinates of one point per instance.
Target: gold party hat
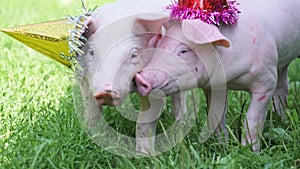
(49, 38)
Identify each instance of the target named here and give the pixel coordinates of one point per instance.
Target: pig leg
(281, 92)
(148, 118)
(146, 124)
(255, 118)
(179, 105)
(221, 128)
(145, 136)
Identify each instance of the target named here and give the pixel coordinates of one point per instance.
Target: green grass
(39, 129)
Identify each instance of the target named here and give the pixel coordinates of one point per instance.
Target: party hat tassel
(209, 11)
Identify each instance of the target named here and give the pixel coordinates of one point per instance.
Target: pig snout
(143, 86)
(149, 80)
(108, 97)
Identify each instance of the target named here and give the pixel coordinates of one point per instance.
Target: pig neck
(231, 66)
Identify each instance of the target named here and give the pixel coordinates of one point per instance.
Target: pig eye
(134, 56)
(91, 51)
(184, 51)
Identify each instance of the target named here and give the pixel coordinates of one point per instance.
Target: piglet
(111, 58)
(253, 55)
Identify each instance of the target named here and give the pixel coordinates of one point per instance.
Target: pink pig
(253, 56)
(111, 58)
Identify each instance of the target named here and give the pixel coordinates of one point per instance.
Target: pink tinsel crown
(209, 11)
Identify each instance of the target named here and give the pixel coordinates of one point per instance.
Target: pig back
(268, 21)
(280, 19)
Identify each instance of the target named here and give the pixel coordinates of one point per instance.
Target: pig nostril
(111, 91)
(145, 85)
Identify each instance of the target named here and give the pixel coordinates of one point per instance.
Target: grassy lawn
(39, 129)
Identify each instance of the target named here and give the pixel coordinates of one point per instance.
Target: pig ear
(92, 24)
(200, 32)
(150, 23)
(154, 41)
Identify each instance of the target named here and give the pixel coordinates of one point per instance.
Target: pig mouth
(169, 87)
(108, 97)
